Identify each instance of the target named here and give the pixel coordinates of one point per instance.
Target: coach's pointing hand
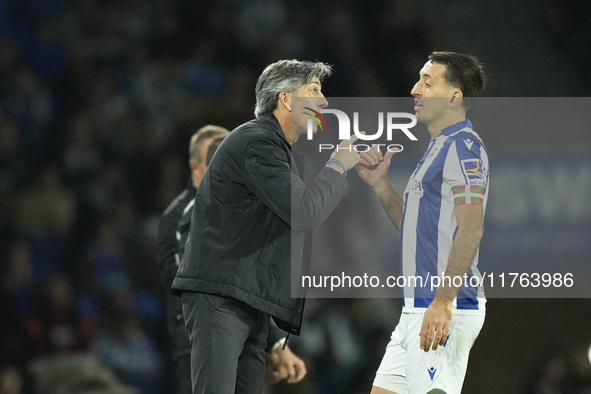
(346, 154)
(436, 322)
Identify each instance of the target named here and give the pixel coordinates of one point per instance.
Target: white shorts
(406, 369)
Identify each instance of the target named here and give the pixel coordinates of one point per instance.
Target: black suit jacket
(173, 230)
(252, 217)
(172, 234)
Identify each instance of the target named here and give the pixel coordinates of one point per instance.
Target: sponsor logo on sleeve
(474, 171)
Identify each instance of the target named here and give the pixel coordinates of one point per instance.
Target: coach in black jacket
(250, 221)
(172, 235)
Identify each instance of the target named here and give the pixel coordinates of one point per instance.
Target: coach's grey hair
(285, 76)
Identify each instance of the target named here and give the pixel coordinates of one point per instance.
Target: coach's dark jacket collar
(269, 119)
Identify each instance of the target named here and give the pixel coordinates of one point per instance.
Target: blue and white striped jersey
(454, 170)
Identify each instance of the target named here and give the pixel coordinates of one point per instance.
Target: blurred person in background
(441, 221)
(551, 376)
(11, 381)
(49, 208)
(74, 374)
(126, 348)
(173, 232)
(171, 240)
(579, 368)
(58, 326)
(251, 209)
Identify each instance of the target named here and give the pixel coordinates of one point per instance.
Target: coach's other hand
(283, 364)
(436, 322)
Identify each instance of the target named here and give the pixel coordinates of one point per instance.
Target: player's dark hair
(212, 148)
(462, 71)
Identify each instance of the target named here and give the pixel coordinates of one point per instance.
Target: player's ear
(456, 98)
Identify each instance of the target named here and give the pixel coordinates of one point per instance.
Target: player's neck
(437, 125)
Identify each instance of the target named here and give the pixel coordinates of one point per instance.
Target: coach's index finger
(351, 139)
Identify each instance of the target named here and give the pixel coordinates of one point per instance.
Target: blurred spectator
(18, 292)
(58, 326)
(9, 61)
(48, 209)
(203, 73)
(158, 92)
(109, 184)
(563, 371)
(48, 54)
(82, 156)
(19, 278)
(32, 107)
(551, 380)
(11, 381)
(13, 166)
(579, 379)
(259, 20)
(127, 350)
(75, 374)
(107, 254)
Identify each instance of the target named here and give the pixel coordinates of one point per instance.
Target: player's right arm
(373, 169)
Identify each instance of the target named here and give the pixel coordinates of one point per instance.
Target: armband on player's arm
(468, 194)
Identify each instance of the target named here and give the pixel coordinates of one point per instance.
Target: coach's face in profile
(432, 84)
(314, 99)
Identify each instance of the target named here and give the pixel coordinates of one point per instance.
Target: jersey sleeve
(466, 171)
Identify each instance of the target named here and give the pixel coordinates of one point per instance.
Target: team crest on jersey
(474, 171)
(415, 188)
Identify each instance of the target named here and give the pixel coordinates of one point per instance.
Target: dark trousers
(228, 340)
(184, 375)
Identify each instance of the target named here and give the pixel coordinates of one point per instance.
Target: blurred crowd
(98, 100)
(560, 372)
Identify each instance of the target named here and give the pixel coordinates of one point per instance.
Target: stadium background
(98, 100)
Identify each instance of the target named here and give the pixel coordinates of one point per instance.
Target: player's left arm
(470, 220)
(466, 172)
(437, 319)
